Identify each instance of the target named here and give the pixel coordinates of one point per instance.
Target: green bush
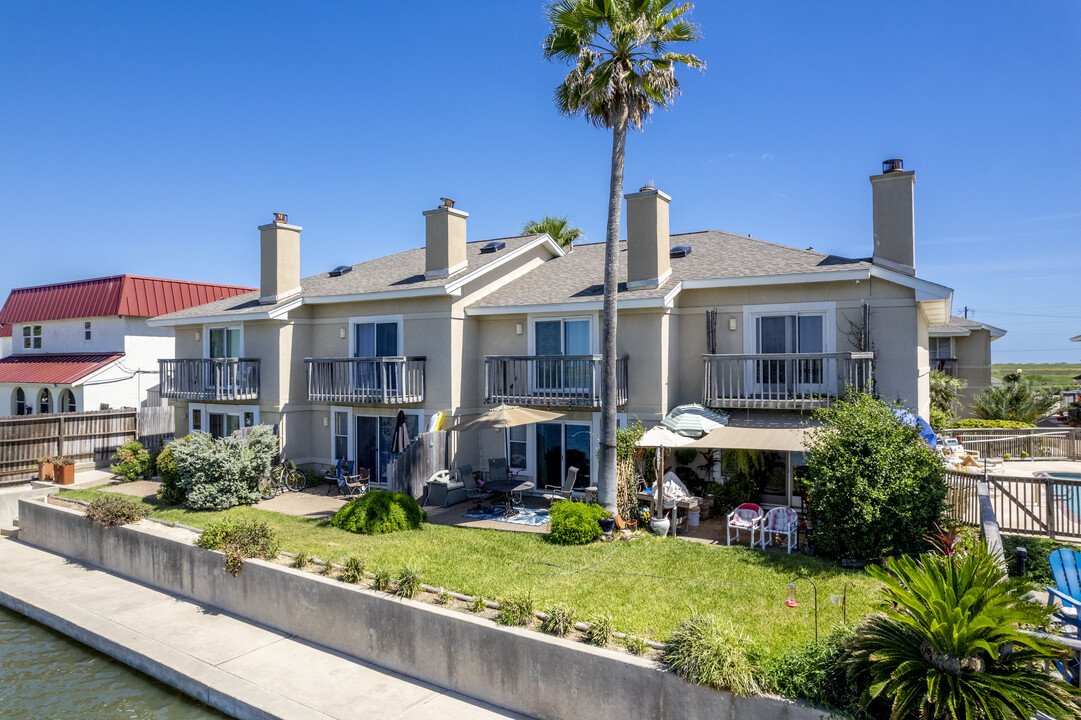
(874, 487)
(601, 630)
(113, 510)
(575, 523)
(1038, 563)
(170, 491)
(240, 539)
(219, 474)
(517, 610)
(739, 489)
(130, 461)
(979, 423)
(712, 652)
(379, 511)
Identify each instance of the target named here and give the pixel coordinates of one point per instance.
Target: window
(86, 330)
(516, 446)
(562, 336)
(222, 420)
(32, 337)
(376, 339)
(67, 401)
(941, 348)
(196, 419)
(789, 334)
(561, 446)
(341, 435)
(45, 401)
(19, 406)
(224, 342)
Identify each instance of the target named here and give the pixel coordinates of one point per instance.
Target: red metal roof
(52, 369)
(116, 295)
(5, 331)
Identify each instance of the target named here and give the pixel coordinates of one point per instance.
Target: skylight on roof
(494, 246)
(341, 270)
(680, 251)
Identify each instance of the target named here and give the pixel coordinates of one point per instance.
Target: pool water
(1066, 476)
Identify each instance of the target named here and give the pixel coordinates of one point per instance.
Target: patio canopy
(742, 438)
(505, 416)
(660, 436)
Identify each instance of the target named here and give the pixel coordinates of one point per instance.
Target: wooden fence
(426, 455)
(1044, 506)
(1020, 443)
(84, 436)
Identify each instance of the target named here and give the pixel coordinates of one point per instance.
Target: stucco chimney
(648, 262)
(279, 255)
(894, 217)
(444, 240)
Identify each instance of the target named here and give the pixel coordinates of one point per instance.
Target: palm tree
(945, 397)
(1019, 399)
(622, 70)
(557, 228)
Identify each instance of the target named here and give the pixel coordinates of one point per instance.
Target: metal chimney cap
(281, 218)
(892, 165)
(447, 203)
(647, 186)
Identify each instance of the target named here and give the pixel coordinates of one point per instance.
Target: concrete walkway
(243, 669)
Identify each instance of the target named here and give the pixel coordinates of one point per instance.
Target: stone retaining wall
(520, 670)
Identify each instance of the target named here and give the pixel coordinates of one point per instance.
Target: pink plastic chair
(747, 516)
(780, 521)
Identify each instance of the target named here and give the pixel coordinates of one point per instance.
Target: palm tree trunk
(606, 481)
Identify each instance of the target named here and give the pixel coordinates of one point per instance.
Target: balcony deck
(572, 381)
(366, 381)
(783, 381)
(210, 379)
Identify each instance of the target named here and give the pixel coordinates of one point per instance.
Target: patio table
(506, 488)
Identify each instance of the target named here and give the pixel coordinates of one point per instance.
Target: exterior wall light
(731, 323)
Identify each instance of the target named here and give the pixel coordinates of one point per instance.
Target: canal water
(45, 675)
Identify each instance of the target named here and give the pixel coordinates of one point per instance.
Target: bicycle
(280, 478)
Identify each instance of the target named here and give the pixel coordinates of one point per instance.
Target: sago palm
(946, 391)
(949, 646)
(1018, 399)
(622, 70)
(557, 228)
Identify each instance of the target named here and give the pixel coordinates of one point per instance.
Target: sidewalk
(243, 669)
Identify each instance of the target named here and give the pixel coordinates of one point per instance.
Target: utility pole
(967, 310)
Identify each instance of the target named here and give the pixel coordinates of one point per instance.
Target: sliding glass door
(560, 446)
(561, 337)
(789, 334)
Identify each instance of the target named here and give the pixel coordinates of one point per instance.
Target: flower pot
(64, 474)
(45, 472)
(607, 524)
(660, 526)
(632, 525)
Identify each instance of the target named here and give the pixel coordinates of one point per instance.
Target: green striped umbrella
(694, 420)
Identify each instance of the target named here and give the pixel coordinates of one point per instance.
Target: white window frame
(594, 423)
(206, 409)
(29, 338)
(363, 320)
(87, 330)
(751, 313)
(350, 432)
(219, 326)
(594, 341)
(938, 340)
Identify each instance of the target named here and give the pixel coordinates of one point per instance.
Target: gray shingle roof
(959, 325)
(578, 276)
(401, 271)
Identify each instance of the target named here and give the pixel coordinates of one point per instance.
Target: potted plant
(45, 469)
(64, 470)
(607, 523)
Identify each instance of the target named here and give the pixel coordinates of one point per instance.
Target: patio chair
(1066, 569)
(747, 516)
(349, 483)
(780, 521)
(472, 490)
(498, 470)
(555, 492)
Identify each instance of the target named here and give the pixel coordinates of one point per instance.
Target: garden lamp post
(791, 601)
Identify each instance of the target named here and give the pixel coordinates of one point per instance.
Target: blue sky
(153, 138)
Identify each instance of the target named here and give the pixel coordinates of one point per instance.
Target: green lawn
(1049, 374)
(649, 586)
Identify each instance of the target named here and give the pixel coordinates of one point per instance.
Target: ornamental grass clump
(712, 652)
(408, 582)
(239, 540)
(559, 619)
(378, 512)
(382, 580)
(517, 609)
(113, 511)
(575, 523)
(352, 570)
(601, 630)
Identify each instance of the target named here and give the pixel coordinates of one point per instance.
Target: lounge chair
(555, 492)
(349, 483)
(472, 490)
(747, 516)
(780, 521)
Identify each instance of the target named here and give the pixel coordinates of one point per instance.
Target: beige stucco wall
(973, 355)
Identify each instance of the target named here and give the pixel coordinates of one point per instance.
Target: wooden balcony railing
(556, 380)
(210, 379)
(784, 381)
(946, 365)
(370, 380)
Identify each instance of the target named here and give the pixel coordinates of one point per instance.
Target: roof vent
(447, 203)
(892, 165)
(281, 218)
(341, 270)
(680, 251)
(492, 247)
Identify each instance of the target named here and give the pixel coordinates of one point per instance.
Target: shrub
(601, 630)
(479, 604)
(559, 619)
(739, 489)
(170, 491)
(873, 486)
(816, 672)
(517, 609)
(379, 511)
(382, 579)
(980, 423)
(409, 582)
(575, 523)
(949, 645)
(240, 539)
(130, 461)
(300, 560)
(352, 570)
(1017, 399)
(219, 474)
(635, 645)
(1038, 564)
(712, 652)
(111, 511)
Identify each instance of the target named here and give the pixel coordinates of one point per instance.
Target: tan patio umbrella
(505, 416)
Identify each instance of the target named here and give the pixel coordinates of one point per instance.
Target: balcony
(946, 365)
(366, 381)
(784, 381)
(210, 379)
(550, 380)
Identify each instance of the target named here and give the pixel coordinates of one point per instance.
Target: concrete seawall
(523, 671)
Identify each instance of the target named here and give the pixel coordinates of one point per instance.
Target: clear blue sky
(153, 138)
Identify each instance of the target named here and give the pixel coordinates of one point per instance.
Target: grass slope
(1049, 374)
(649, 586)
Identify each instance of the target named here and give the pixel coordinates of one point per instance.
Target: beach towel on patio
(674, 490)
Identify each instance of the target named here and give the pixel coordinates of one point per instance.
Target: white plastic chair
(747, 516)
(780, 521)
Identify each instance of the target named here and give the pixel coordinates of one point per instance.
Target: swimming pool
(1065, 476)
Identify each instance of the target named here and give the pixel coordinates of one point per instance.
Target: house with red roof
(86, 345)
(5, 341)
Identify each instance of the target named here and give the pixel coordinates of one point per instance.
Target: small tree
(945, 397)
(1019, 399)
(873, 486)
